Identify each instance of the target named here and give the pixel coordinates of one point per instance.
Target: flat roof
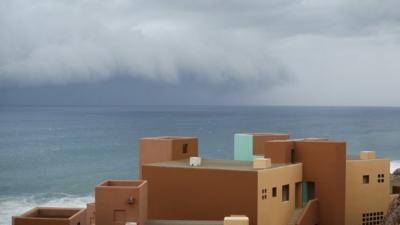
(216, 164)
(183, 222)
(357, 157)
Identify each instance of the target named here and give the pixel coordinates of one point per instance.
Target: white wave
(15, 205)
(394, 165)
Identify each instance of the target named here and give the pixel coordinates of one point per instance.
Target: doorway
(308, 191)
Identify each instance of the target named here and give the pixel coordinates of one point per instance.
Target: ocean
(54, 156)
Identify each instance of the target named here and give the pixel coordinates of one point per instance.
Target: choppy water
(55, 155)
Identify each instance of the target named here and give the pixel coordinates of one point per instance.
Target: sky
(208, 52)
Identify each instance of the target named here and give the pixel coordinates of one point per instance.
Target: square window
(274, 192)
(366, 179)
(285, 193)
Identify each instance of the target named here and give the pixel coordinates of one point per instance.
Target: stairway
(295, 216)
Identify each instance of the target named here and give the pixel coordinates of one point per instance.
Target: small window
(185, 148)
(381, 178)
(264, 194)
(366, 179)
(285, 193)
(372, 218)
(292, 156)
(274, 192)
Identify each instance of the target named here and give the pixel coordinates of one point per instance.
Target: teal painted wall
(243, 147)
(305, 193)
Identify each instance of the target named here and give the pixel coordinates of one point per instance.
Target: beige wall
(272, 210)
(366, 198)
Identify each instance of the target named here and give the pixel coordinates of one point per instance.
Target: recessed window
(381, 178)
(264, 194)
(285, 193)
(274, 192)
(366, 179)
(292, 156)
(185, 148)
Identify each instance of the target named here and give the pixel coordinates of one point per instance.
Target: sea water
(54, 156)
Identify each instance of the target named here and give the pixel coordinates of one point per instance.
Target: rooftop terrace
(216, 164)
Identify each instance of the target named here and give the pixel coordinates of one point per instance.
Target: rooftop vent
(263, 163)
(367, 155)
(195, 161)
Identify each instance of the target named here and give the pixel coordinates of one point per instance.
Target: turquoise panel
(243, 147)
(305, 193)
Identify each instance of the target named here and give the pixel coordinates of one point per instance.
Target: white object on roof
(195, 161)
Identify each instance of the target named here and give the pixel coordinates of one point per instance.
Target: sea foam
(395, 164)
(15, 205)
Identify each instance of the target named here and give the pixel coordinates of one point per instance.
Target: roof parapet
(262, 163)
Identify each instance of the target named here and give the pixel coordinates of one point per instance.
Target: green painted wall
(243, 147)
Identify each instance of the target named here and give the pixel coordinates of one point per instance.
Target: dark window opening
(185, 148)
(285, 193)
(264, 194)
(366, 179)
(274, 192)
(381, 178)
(372, 218)
(292, 156)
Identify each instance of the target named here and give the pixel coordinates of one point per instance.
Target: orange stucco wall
(279, 151)
(260, 138)
(310, 214)
(159, 149)
(200, 193)
(324, 162)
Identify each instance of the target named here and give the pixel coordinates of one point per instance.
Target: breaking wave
(394, 165)
(14, 205)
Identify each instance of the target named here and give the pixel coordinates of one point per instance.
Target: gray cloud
(228, 45)
(59, 42)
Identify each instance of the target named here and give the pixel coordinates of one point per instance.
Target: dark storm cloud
(58, 42)
(234, 45)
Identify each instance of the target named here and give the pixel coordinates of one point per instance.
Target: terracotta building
(167, 148)
(273, 180)
(222, 187)
(121, 201)
(324, 173)
(51, 216)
